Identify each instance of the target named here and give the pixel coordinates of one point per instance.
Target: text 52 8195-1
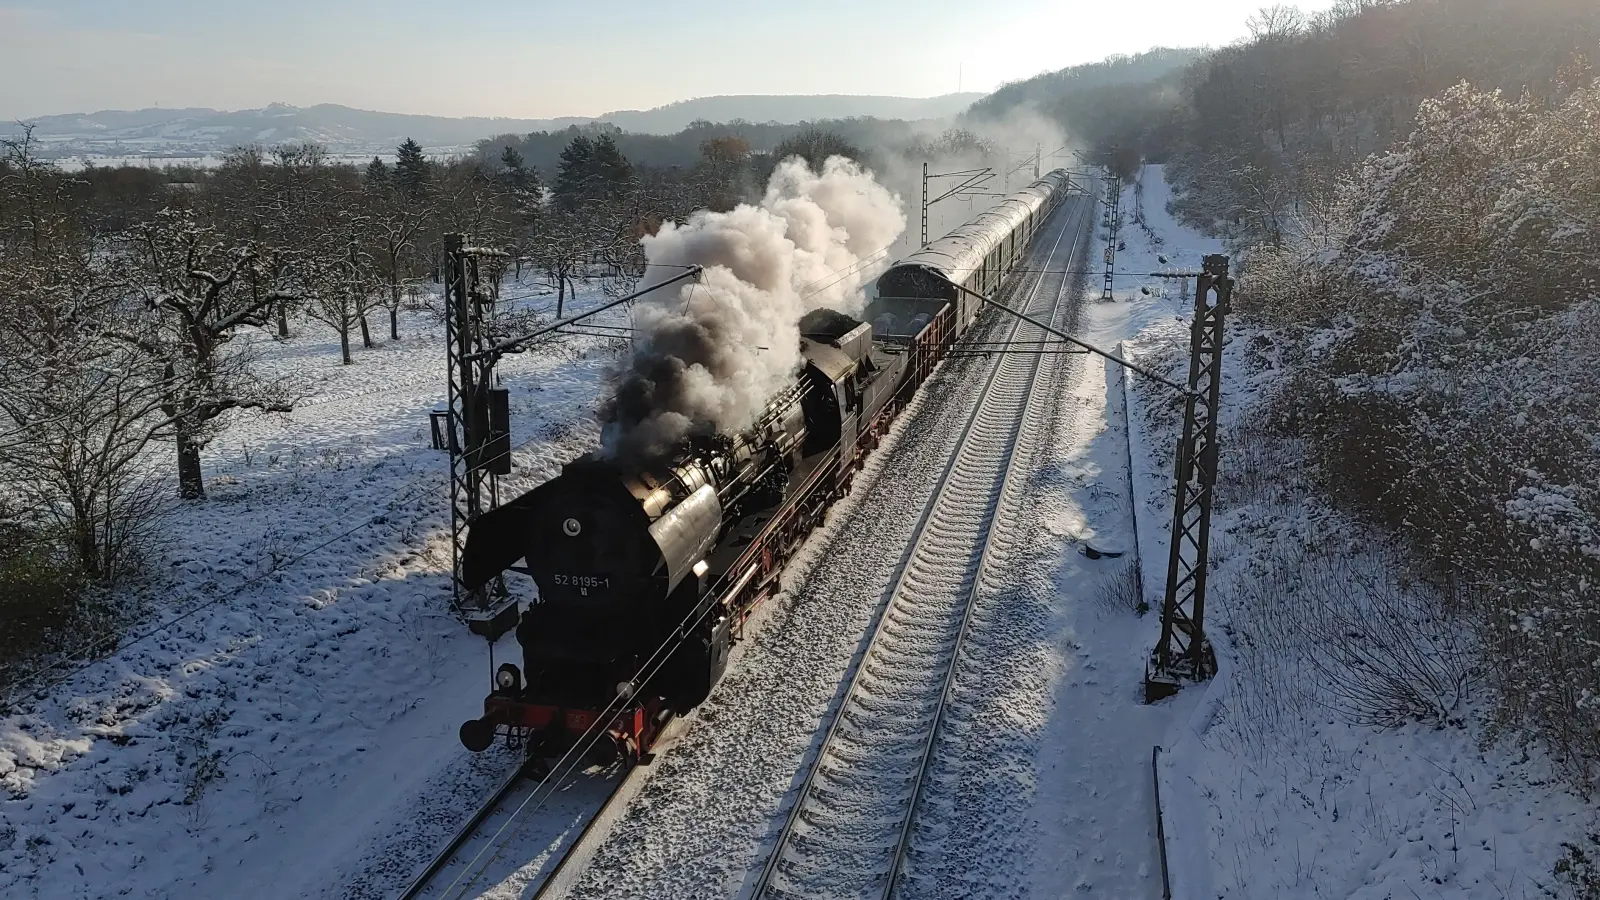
(582, 581)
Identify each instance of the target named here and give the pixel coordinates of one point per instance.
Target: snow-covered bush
(1578, 870)
(1388, 653)
(1448, 383)
(1123, 592)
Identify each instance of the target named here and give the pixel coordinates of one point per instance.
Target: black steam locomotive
(646, 577)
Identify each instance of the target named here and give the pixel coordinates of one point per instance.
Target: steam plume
(711, 355)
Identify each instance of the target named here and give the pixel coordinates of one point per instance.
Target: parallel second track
(847, 832)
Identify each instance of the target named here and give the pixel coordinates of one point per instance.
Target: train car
(979, 254)
(646, 576)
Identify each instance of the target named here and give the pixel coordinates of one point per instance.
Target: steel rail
(764, 884)
(443, 857)
(992, 529)
(550, 877)
(426, 877)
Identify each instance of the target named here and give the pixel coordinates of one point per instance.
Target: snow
(1023, 799)
(295, 734)
(709, 808)
(306, 708)
(1269, 787)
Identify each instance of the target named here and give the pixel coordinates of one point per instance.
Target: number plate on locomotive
(586, 582)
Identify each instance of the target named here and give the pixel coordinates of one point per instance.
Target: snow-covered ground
(703, 821)
(305, 710)
(295, 735)
(1272, 785)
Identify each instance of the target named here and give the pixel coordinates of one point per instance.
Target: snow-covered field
(306, 707)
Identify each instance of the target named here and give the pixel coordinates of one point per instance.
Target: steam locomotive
(647, 575)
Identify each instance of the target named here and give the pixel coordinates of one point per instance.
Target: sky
(547, 58)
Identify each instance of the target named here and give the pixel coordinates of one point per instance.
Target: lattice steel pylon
(1113, 231)
(476, 458)
(924, 204)
(1183, 652)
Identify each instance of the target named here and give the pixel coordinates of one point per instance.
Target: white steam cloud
(711, 355)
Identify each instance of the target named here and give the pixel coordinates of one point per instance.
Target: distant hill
(203, 131)
(1044, 91)
(1124, 109)
(675, 117)
(170, 132)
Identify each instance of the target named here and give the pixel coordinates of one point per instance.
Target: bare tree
(82, 413)
(722, 171)
(340, 286)
(815, 146)
(395, 222)
(199, 290)
(567, 241)
(76, 409)
(1277, 22)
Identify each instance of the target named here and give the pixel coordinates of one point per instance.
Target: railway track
(849, 829)
(471, 863)
(426, 877)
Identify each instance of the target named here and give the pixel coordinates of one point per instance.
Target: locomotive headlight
(508, 678)
(571, 527)
(700, 568)
(625, 690)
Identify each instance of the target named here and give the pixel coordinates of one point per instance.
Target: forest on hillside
(1412, 191)
(872, 139)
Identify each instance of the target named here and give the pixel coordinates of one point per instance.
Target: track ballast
(848, 831)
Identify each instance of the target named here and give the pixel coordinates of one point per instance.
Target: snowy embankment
(1090, 827)
(305, 706)
(1286, 776)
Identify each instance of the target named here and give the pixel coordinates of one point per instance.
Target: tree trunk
(394, 302)
(366, 333)
(283, 318)
(561, 294)
(191, 480)
(88, 545)
(344, 342)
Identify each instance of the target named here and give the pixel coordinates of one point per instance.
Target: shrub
(1389, 653)
(1448, 389)
(1578, 872)
(1122, 591)
(41, 593)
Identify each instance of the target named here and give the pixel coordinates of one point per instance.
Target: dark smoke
(712, 354)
